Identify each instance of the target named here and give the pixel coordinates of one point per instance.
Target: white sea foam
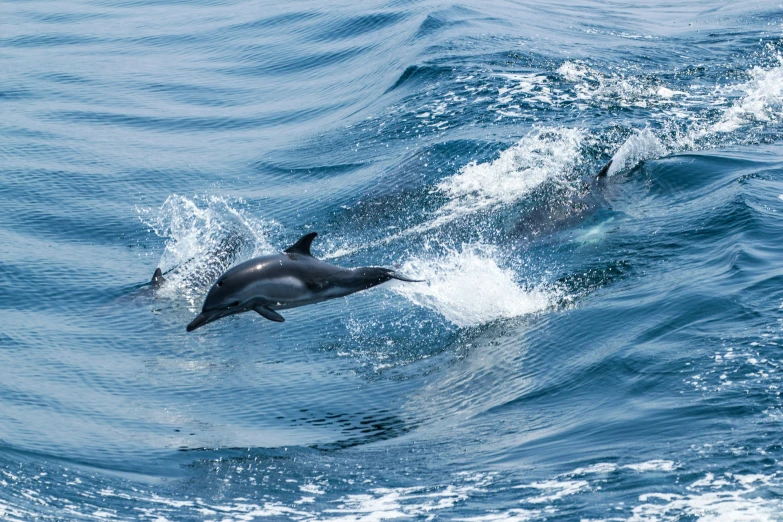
(556, 489)
(601, 467)
(761, 100)
(596, 88)
(468, 287)
(204, 236)
(512, 515)
(665, 92)
(545, 153)
(574, 71)
(757, 101)
(311, 488)
(641, 146)
(532, 87)
(585, 86)
(653, 465)
(388, 503)
(712, 499)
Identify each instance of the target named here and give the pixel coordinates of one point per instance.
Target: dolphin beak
(200, 320)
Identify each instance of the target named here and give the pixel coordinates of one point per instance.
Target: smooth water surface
(581, 350)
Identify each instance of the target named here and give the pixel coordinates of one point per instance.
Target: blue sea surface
(582, 349)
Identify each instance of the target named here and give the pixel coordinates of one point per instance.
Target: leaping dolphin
(289, 279)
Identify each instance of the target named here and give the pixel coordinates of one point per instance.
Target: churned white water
(469, 288)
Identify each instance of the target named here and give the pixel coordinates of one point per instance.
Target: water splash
(544, 154)
(641, 146)
(469, 288)
(761, 100)
(204, 237)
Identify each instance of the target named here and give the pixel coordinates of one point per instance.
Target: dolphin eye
(220, 283)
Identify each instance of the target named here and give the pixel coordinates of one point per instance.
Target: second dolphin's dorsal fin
(157, 279)
(604, 171)
(303, 245)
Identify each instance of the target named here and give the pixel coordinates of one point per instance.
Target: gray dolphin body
(287, 280)
(551, 215)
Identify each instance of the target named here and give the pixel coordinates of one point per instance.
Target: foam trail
(468, 287)
(204, 237)
(641, 146)
(762, 100)
(544, 154)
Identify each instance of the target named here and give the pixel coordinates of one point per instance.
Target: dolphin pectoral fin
(302, 246)
(270, 314)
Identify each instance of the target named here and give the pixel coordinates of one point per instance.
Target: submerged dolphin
(553, 213)
(202, 269)
(286, 280)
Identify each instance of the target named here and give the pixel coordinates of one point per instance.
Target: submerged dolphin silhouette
(202, 269)
(552, 213)
(287, 280)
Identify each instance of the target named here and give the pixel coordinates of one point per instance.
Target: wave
(205, 235)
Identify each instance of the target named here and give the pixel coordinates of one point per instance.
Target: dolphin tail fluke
(400, 277)
(368, 276)
(604, 171)
(157, 279)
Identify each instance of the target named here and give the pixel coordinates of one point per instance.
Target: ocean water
(581, 350)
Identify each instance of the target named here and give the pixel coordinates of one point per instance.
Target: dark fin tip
(157, 278)
(604, 171)
(303, 245)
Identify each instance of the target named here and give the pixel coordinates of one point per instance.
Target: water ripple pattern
(584, 347)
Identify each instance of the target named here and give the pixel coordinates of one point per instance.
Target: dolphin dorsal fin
(157, 278)
(303, 245)
(604, 171)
